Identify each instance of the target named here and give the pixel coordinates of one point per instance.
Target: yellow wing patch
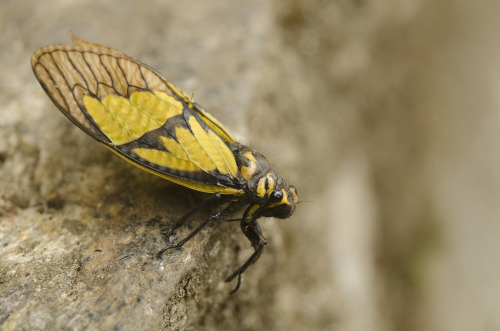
(166, 159)
(194, 150)
(217, 151)
(124, 120)
(226, 154)
(175, 148)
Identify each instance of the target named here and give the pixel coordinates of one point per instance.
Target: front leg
(251, 229)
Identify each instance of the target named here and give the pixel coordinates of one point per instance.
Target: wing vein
(143, 78)
(72, 88)
(53, 82)
(67, 84)
(124, 77)
(100, 55)
(79, 72)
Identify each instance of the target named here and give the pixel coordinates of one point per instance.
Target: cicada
(138, 114)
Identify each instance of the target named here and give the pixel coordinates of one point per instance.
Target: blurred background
(384, 114)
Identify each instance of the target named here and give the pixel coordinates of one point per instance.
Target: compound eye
(276, 196)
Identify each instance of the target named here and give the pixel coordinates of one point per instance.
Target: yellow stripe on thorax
(247, 172)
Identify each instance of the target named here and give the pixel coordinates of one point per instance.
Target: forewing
(138, 114)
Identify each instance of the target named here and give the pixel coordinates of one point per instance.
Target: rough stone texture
(383, 114)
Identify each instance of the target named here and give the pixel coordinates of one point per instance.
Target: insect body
(139, 115)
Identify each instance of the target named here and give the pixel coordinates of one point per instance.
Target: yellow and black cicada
(135, 112)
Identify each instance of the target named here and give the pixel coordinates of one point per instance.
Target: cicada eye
(276, 196)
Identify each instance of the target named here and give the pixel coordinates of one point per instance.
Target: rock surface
(384, 115)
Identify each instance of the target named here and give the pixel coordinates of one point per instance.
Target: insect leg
(180, 221)
(212, 217)
(191, 235)
(252, 231)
